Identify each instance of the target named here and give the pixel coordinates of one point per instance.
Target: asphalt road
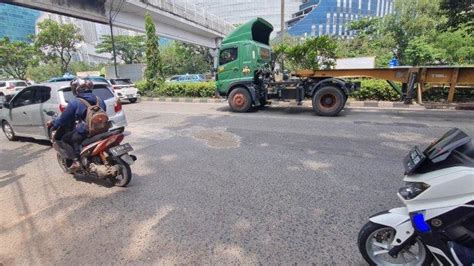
(278, 186)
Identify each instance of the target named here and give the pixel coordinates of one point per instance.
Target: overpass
(174, 19)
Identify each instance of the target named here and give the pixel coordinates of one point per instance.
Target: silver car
(25, 115)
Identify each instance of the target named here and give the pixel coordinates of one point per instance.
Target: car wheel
(8, 130)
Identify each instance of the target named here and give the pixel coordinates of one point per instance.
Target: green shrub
(181, 89)
(441, 95)
(375, 89)
(380, 90)
(141, 85)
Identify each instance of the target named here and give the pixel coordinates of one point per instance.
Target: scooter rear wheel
(125, 175)
(375, 242)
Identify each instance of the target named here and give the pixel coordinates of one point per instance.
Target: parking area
(277, 186)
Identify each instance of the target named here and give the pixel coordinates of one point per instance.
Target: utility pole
(113, 47)
(111, 19)
(282, 16)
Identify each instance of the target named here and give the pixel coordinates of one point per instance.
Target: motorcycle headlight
(412, 190)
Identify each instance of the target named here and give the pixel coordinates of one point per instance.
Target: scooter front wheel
(64, 163)
(375, 241)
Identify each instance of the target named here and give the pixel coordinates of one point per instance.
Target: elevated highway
(174, 19)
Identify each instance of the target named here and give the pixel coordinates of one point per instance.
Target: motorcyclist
(74, 116)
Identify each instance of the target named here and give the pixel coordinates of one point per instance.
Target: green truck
(246, 76)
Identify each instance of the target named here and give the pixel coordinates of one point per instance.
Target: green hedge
(375, 89)
(441, 95)
(380, 90)
(192, 89)
(371, 89)
(180, 89)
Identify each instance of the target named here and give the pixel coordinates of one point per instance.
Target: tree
(58, 41)
(456, 46)
(313, 53)
(129, 48)
(420, 51)
(391, 35)
(411, 18)
(458, 12)
(43, 72)
(16, 57)
(154, 67)
(182, 58)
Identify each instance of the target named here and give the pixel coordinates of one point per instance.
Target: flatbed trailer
(452, 76)
(246, 76)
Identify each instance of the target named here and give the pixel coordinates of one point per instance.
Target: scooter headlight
(412, 190)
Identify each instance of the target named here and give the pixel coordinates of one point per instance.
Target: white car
(11, 87)
(25, 115)
(125, 90)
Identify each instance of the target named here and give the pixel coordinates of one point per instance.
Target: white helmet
(79, 85)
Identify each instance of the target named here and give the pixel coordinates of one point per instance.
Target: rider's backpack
(96, 120)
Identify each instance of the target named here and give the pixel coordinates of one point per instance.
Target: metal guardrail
(188, 10)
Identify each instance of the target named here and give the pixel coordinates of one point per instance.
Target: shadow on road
(15, 159)
(91, 180)
(286, 110)
(34, 141)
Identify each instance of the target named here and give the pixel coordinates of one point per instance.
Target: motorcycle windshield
(440, 149)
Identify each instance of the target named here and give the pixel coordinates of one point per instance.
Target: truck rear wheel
(328, 101)
(240, 100)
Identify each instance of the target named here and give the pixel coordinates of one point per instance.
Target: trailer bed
(454, 76)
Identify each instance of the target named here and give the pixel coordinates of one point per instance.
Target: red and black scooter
(102, 156)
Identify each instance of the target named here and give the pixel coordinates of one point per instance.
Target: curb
(349, 104)
(383, 104)
(183, 100)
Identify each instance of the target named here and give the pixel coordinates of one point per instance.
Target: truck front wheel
(328, 101)
(240, 100)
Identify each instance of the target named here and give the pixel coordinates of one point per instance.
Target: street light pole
(113, 46)
(282, 16)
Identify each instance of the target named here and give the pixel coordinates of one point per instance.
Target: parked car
(25, 115)
(61, 79)
(96, 79)
(188, 78)
(70, 78)
(8, 88)
(125, 89)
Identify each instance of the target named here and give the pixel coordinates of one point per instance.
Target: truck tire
(240, 100)
(328, 101)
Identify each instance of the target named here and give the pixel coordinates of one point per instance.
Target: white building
(241, 11)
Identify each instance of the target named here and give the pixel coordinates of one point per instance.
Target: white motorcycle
(437, 223)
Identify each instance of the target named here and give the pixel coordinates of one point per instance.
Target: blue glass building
(332, 17)
(17, 23)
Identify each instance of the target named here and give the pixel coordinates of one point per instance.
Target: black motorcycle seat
(99, 137)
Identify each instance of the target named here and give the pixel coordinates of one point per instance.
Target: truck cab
(245, 76)
(243, 52)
